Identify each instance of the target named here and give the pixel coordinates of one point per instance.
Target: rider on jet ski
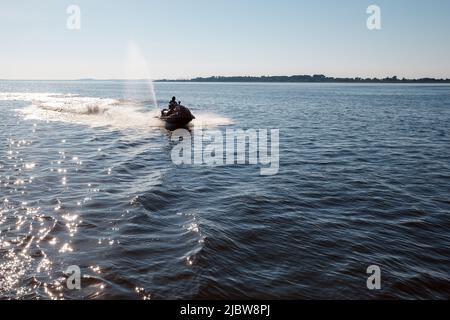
(177, 115)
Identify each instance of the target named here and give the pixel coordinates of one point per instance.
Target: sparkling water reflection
(86, 179)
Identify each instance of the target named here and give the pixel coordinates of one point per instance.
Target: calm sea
(86, 179)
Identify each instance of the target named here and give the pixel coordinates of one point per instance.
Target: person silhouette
(172, 105)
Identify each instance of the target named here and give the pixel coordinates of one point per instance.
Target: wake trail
(99, 112)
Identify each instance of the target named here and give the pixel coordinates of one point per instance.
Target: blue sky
(183, 39)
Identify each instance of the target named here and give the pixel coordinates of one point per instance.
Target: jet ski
(180, 117)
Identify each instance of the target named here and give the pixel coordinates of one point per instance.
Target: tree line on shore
(308, 78)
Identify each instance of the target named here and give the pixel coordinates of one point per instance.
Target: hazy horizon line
(220, 76)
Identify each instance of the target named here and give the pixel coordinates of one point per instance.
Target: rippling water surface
(86, 179)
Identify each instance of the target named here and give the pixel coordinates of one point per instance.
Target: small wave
(208, 119)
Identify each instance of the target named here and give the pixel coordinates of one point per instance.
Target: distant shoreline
(307, 79)
(269, 79)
